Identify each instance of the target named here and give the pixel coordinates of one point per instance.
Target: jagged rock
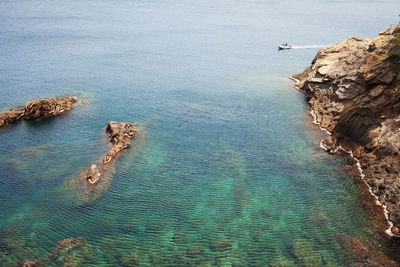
(45, 108)
(32, 263)
(354, 91)
(42, 108)
(92, 174)
(330, 144)
(120, 135)
(11, 116)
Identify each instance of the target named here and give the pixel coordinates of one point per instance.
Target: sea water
(226, 170)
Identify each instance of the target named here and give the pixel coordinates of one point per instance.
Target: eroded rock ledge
(40, 108)
(120, 135)
(353, 88)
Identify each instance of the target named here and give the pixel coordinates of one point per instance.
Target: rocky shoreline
(39, 108)
(353, 88)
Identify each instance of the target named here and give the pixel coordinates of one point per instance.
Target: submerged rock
(66, 245)
(90, 189)
(120, 135)
(304, 253)
(69, 252)
(131, 259)
(196, 253)
(283, 262)
(41, 108)
(361, 255)
(221, 244)
(31, 263)
(353, 88)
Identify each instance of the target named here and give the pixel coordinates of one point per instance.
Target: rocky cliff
(353, 88)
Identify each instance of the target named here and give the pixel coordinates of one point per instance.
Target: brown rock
(120, 135)
(32, 263)
(355, 94)
(43, 108)
(92, 174)
(330, 144)
(83, 192)
(11, 116)
(395, 230)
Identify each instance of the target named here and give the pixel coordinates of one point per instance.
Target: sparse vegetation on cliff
(394, 52)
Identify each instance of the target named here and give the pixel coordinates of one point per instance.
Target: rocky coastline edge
(353, 89)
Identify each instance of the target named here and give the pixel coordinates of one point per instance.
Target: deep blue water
(226, 171)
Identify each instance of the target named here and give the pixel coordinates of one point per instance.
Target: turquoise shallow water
(226, 171)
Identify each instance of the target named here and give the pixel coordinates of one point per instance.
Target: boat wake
(308, 46)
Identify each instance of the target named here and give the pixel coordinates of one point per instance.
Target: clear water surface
(226, 171)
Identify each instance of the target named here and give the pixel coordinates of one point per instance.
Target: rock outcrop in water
(45, 108)
(11, 116)
(353, 88)
(41, 108)
(92, 174)
(85, 188)
(120, 135)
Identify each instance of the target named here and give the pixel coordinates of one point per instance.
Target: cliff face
(353, 88)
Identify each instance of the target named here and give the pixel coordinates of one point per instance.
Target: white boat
(284, 47)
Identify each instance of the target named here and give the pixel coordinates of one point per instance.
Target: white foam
(294, 79)
(317, 123)
(362, 175)
(358, 164)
